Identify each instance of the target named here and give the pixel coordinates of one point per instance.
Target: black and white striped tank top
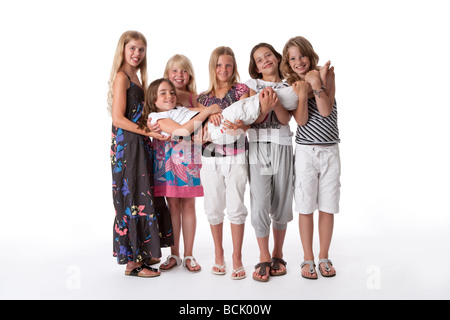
(319, 129)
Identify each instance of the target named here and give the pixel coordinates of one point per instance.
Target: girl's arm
(216, 118)
(119, 105)
(301, 114)
(283, 115)
(323, 101)
(264, 105)
(174, 128)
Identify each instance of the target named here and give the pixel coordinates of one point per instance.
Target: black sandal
(262, 271)
(276, 266)
(136, 272)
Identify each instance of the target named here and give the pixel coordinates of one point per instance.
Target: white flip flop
(236, 271)
(218, 266)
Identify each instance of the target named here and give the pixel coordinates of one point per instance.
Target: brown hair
(252, 69)
(150, 98)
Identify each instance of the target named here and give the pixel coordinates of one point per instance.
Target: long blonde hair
(118, 62)
(213, 65)
(306, 49)
(183, 63)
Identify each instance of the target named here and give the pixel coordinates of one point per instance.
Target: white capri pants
(317, 178)
(224, 180)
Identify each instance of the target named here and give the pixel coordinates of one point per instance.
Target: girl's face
(266, 62)
(224, 68)
(166, 99)
(134, 52)
(299, 63)
(179, 77)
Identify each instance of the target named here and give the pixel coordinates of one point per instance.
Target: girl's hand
(153, 127)
(216, 119)
(301, 88)
(313, 78)
(234, 129)
(268, 99)
(159, 136)
(264, 99)
(206, 135)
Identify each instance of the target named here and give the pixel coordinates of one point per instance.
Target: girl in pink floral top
(176, 165)
(224, 167)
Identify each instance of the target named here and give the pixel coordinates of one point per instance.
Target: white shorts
(317, 178)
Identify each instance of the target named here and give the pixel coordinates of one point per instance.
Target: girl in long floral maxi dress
(142, 223)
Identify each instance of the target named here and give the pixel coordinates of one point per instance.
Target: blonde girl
(224, 167)
(317, 160)
(142, 223)
(176, 165)
(180, 72)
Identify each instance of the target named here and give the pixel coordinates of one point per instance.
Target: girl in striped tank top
(317, 161)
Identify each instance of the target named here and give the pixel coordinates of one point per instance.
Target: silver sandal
(311, 269)
(193, 264)
(167, 262)
(327, 268)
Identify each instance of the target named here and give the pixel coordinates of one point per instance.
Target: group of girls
(156, 181)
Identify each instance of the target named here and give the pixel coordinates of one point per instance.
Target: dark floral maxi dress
(142, 224)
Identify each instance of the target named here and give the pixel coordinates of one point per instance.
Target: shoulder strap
(127, 75)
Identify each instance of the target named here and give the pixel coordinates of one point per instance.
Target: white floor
(376, 261)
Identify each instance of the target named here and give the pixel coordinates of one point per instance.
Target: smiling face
(266, 62)
(166, 97)
(179, 77)
(134, 52)
(299, 63)
(224, 68)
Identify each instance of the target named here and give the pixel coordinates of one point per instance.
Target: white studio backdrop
(391, 67)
